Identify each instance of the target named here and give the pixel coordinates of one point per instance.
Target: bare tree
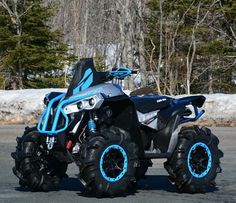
(113, 28)
(15, 17)
(192, 47)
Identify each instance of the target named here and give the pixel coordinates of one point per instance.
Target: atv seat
(150, 103)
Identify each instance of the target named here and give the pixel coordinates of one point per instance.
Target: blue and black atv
(113, 138)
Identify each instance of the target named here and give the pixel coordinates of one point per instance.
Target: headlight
(89, 103)
(80, 105)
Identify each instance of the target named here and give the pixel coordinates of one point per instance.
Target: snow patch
(26, 106)
(22, 106)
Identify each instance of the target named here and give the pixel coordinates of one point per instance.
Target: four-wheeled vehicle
(113, 137)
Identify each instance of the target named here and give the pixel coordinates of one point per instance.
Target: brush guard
(49, 122)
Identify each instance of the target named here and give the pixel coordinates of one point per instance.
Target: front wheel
(196, 160)
(36, 169)
(108, 162)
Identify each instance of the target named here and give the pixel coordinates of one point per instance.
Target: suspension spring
(92, 126)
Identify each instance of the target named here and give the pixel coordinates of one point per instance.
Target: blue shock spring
(92, 126)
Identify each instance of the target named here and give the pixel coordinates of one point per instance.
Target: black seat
(150, 103)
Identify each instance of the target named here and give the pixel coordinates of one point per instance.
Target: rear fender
(196, 101)
(169, 119)
(168, 126)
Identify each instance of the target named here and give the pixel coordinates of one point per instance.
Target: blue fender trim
(125, 166)
(209, 164)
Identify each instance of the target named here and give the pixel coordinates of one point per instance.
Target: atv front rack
(44, 123)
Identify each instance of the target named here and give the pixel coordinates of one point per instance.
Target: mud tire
(178, 166)
(36, 170)
(90, 159)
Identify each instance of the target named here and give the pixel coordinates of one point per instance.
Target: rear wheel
(36, 169)
(195, 163)
(108, 162)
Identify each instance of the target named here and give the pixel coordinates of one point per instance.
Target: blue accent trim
(209, 164)
(120, 72)
(85, 82)
(43, 123)
(125, 167)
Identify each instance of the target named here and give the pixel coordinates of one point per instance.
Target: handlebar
(121, 73)
(134, 72)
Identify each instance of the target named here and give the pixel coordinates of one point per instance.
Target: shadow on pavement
(156, 182)
(72, 184)
(151, 182)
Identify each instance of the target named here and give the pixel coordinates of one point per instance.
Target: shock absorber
(91, 124)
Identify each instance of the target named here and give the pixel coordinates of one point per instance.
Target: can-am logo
(161, 100)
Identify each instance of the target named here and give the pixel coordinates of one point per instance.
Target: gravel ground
(155, 188)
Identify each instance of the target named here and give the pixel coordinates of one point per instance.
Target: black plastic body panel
(125, 117)
(168, 120)
(163, 136)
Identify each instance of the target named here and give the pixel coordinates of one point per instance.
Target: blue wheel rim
(194, 167)
(123, 170)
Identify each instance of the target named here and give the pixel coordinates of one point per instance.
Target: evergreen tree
(30, 51)
(198, 38)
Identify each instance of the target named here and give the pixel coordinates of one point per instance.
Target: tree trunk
(84, 37)
(19, 68)
(141, 47)
(160, 47)
(190, 59)
(210, 78)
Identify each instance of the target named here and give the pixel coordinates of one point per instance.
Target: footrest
(156, 155)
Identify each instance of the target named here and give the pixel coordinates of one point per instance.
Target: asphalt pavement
(155, 188)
